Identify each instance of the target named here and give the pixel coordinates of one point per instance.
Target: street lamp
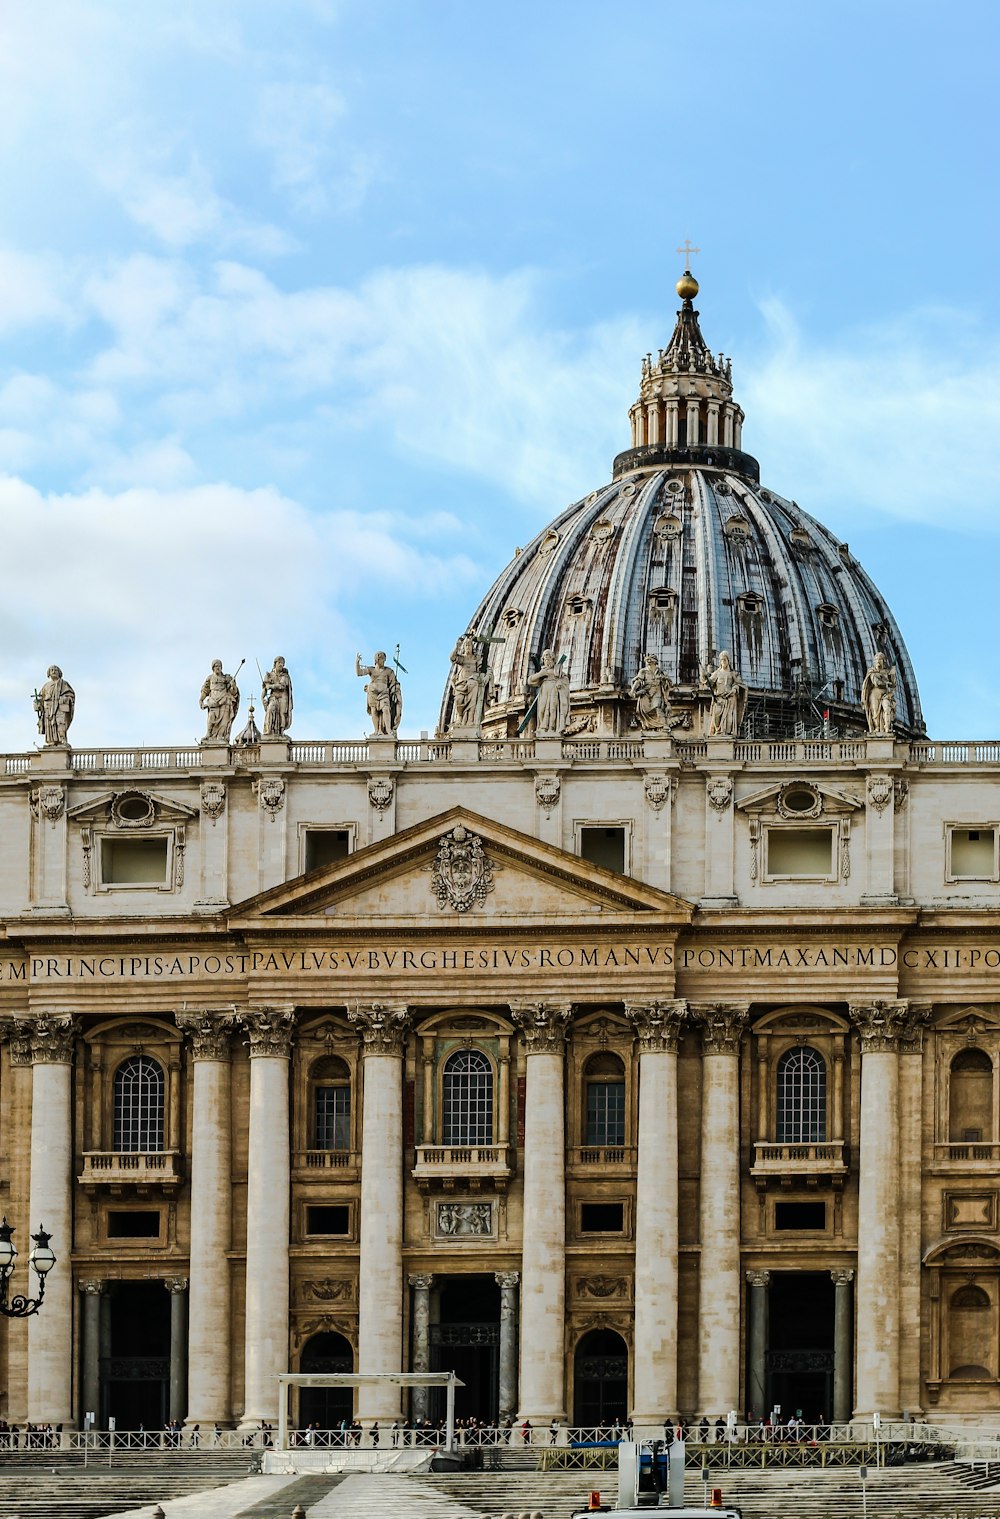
(42, 1260)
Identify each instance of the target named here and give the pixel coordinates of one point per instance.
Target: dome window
(668, 526)
(766, 496)
(737, 530)
(602, 530)
(662, 608)
(675, 486)
(750, 612)
(512, 617)
(549, 543)
(577, 606)
(801, 541)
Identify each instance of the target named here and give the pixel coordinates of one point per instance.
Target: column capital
(91, 1287)
(759, 1278)
(176, 1284)
(423, 1281)
(542, 1025)
(208, 1029)
(271, 1030)
(842, 1277)
(658, 1025)
(505, 1280)
(50, 1037)
(887, 1026)
(723, 1025)
(382, 1026)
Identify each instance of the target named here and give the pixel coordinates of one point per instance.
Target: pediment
(460, 868)
(132, 808)
(784, 799)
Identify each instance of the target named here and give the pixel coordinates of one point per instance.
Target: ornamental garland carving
(382, 1027)
(547, 791)
(543, 1025)
(213, 800)
(208, 1032)
(602, 1286)
(723, 1026)
(886, 1026)
(380, 790)
(271, 1030)
(720, 792)
(48, 802)
(658, 1025)
(329, 1290)
(463, 872)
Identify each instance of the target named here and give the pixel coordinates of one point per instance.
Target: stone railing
(136, 1168)
(437, 1163)
(602, 1155)
(327, 1160)
(798, 1159)
(966, 1150)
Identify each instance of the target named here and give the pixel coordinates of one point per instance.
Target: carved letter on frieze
(380, 792)
(463, 872)
(720, 792)
(382, 1028)
(658, 1025)
(543, 1025)
(547, 789)
(271, 793)
(213, 800)
(723, 1025)
(879, 792)
(48, 802)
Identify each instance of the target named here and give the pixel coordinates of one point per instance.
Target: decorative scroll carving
(759, 1278)
(547, 791)
(456, 1220)
(208, 1030)
(380, 790)
(20, 1046)
(842, 1277)
(133, 809)
(271, 793)
(720, 792)
(422, 1281)
(382, 1028)
(213, 800)
(50, 1038)
(602, 1286)
(48, 802)
(91, 1288)
(723, 1026)
(271, 1030)
(463, 872)
(658, 1025)
(901, 787)
(329, 1290)
(543, 1025)
(507, 1280)
(887, 1025)
(176, 1284)
(880, 792)
(658, 789)
(180, 841)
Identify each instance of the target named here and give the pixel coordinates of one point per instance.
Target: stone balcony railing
(964, 1152)
(141, 1169)
(345, 1164)
(617, 1159)
(798, 1160)
(473, 1166)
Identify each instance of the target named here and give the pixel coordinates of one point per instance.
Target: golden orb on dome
(687, 286)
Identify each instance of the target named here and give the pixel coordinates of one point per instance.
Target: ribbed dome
(684, 556)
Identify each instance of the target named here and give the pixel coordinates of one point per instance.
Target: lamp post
(42, 1260)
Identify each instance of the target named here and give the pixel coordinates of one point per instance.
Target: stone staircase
(52, 1484)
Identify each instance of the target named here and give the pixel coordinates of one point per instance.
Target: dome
(683, 555)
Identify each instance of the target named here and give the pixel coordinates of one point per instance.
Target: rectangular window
(602, 1218)
(325, 846)
(604, 846)
(606, 1113)
(333, 1118)
(800, 1216)
(327, 1218)
(134, 862)
(133, 1224)
(799, 852)
(972, 854)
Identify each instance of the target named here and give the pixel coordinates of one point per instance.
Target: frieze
(328, 1290)
(602, 1286)
(464, 1220)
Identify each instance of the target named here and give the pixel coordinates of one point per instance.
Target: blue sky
(310, 313)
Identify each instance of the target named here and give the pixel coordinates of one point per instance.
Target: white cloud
(31, 290)
(903, 419)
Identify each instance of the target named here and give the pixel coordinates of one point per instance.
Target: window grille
(468, 1099)
(138, 1105)
(801, 1097)
(332, 1114)
(606, 1113)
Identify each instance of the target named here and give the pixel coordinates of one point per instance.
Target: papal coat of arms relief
(463, 873)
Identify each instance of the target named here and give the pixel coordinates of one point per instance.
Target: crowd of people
(29, 1436)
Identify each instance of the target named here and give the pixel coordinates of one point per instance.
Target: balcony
(976, 1153)
(809, 1162)
(471, 1167)
(344, 1165)
(138, 1170)
(617, 1160)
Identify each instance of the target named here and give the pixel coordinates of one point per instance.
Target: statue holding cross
(470, 678)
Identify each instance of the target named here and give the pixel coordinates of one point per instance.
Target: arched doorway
(600, 1379)
(326, 1406)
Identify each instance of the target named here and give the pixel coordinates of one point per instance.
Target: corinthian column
(543, 1259)
(209, 1359)
(380, 1320)
(658, 1026)
(50, 1332)
(270, 1030)
(881, 1026)
(719, 1270)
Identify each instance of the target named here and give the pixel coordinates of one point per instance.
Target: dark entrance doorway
(466, 1340)
(600, 1379)
(326, 1407)
(135, 1370)
(800, 1344)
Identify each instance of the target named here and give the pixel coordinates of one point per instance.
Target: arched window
(970, 1097)
(138, 1105)
(467, 1106)
(801, 1097)
(331, 1104)
(600, 1379)
(604, 1109)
